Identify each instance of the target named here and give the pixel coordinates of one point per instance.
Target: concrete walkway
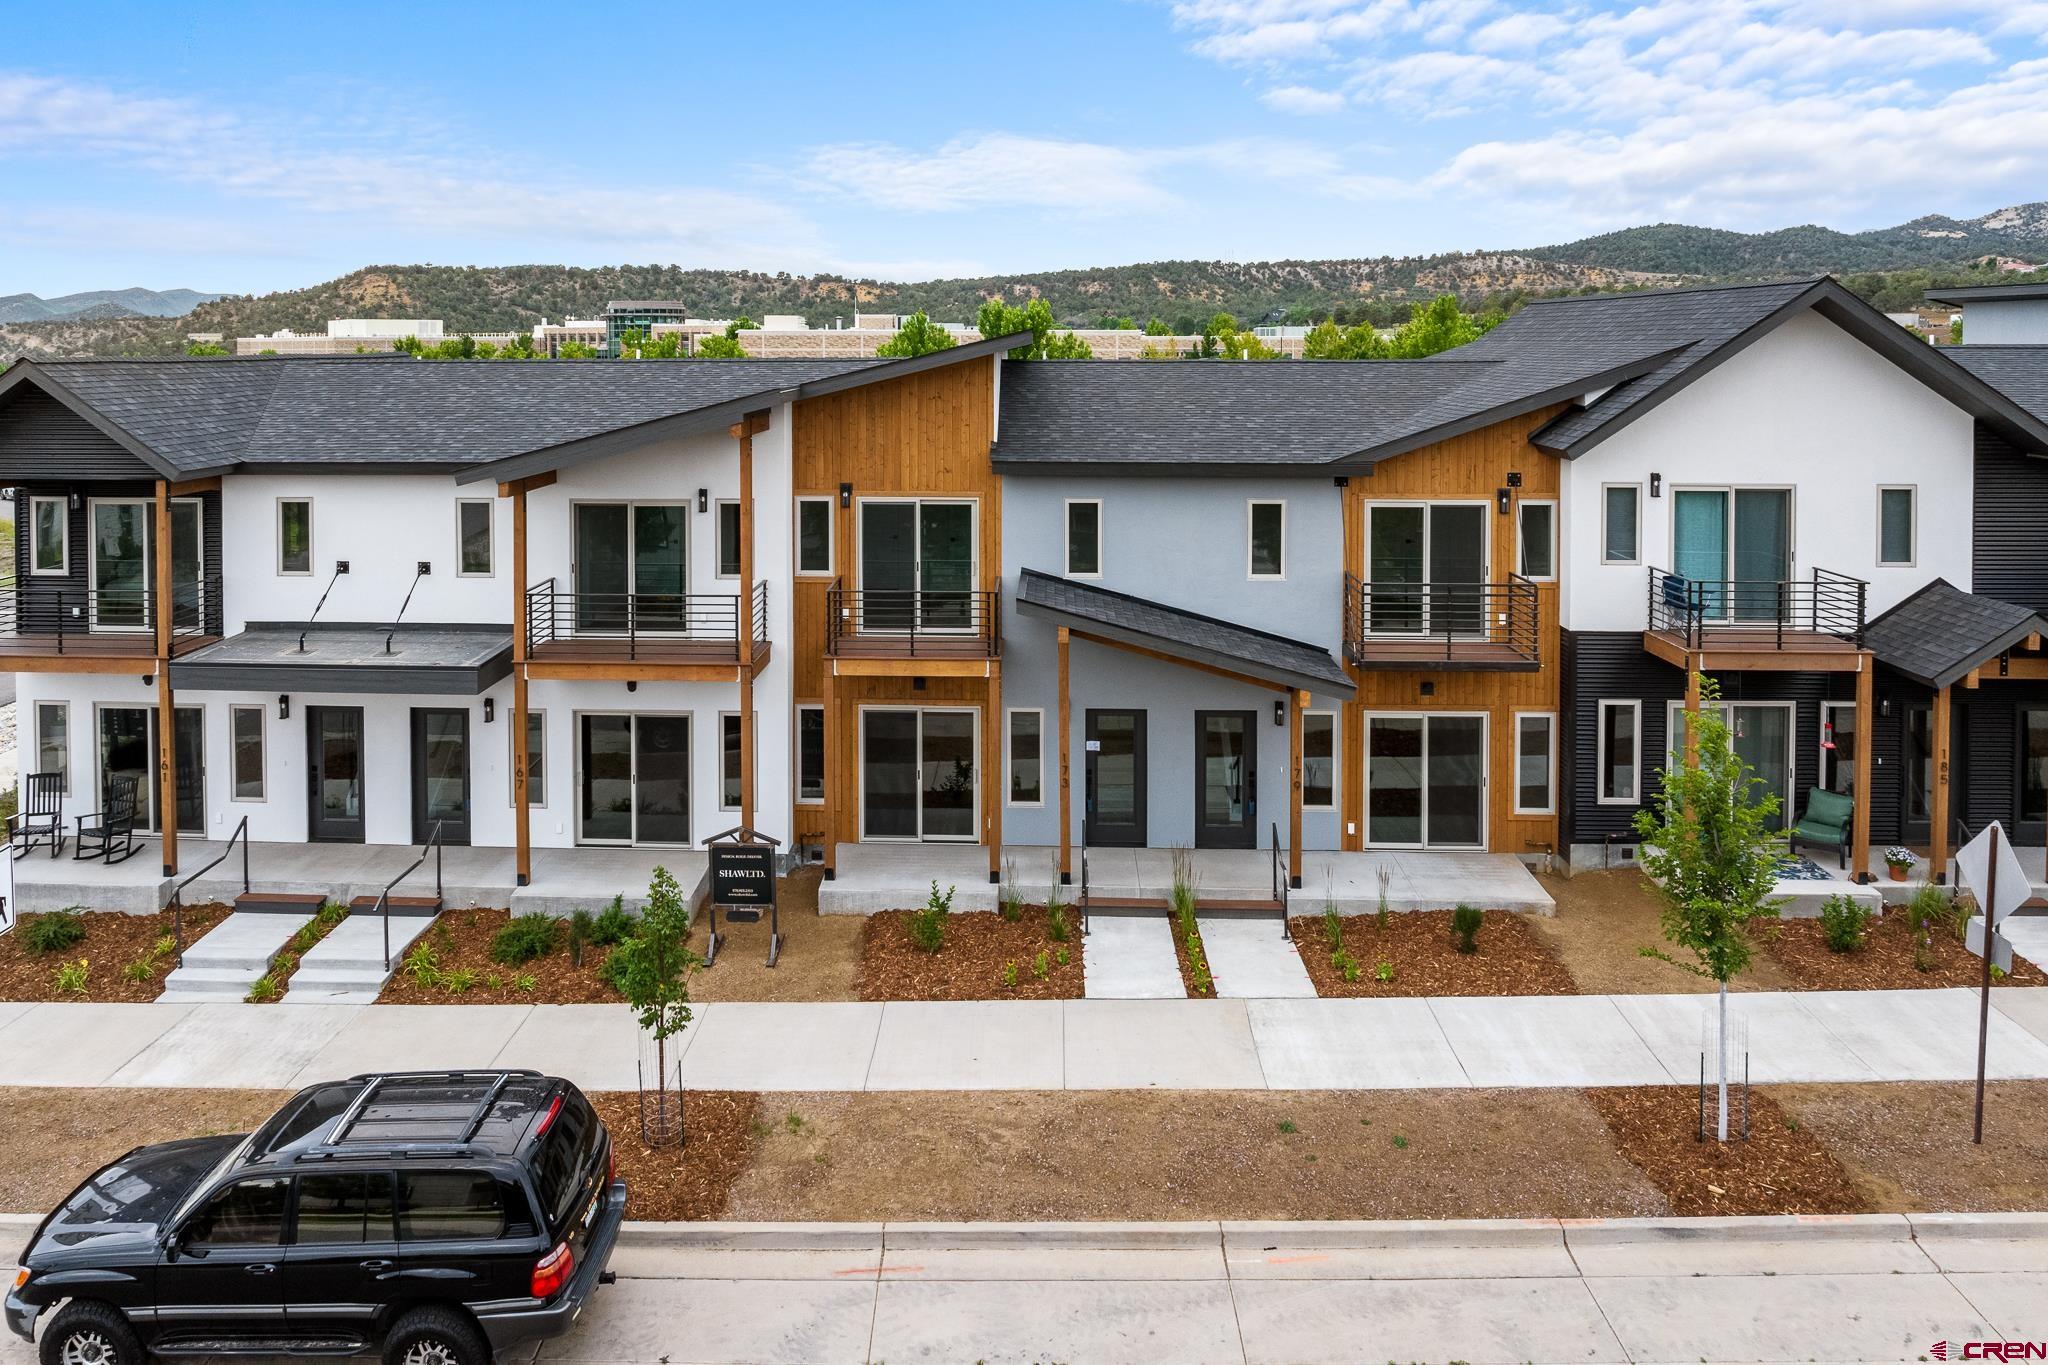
(1530, 1041)
(1250, 960)
(1131, 957)
(1882, 1287)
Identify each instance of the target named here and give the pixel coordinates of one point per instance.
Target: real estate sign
(6, 890)
(742, 877)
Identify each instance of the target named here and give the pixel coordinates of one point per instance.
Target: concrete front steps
(228, 958)
(347, 967)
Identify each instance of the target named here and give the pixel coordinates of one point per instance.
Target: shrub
(1041, 967)
(1010, 975)
(1010, 900)
(1931, 911)
(1061, 956)
(1333, 926)
(928, 926)
(1056, 923)
(1844, 921)
(1345, 965)
(71, 976)
(151, 961)
(1383, 971)
(525, 938)
(54, 932)
(1465, 922)
(613, 925)
(423, 964)
(458, 980)
(264, 989)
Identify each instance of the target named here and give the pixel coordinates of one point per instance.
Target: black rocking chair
(110, 833)
(41, 821)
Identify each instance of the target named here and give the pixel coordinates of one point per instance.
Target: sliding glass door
(1428, 562)
(631, 567)
(1425, 781)
(1736, 543)
(919, 774)
(917, 565)
(1761, 733)
(121, 563)
(633, 779)
(127, 742)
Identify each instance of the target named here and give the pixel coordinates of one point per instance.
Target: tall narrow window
(1319, 760)
(1084, 538)
(1621, 509)
(245, 725)
(53, 741)
(49, 530)
(1535, 757)
(729, 766)
(2033, 728)
(810, 754)
(1896, 531)
(473, 538)
(1268, 540)
(814, 535)
(728, 540)
(1536, 525)
(1027, 758)
(295, 535)
(536, 756)
(1620, 745)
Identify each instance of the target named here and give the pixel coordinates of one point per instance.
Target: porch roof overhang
(434, 660)
(1940, 633)
(1203, 641)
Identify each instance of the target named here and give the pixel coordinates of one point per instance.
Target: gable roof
(2018, 372)
(1941, 632)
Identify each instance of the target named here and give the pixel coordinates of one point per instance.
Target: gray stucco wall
(1181, 543)
(2011, 322)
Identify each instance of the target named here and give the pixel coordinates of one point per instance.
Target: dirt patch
(1165, 1155)
(1421, 952)
(451, 964)
(1907, 1147)
(1884, 962)
(1605, 919)
(820, 953)
(121, 953)
(688, 1182)
(1782, 1167)
(980, 949)
(58, 1137)
(1187, 947)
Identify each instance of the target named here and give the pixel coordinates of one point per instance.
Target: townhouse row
(1440, 604)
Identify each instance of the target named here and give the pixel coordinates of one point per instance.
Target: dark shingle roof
(1941, 632)
(2018, 372)
(1186, 634)
(1987, 293)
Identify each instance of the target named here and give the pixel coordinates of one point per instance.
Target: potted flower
(1899, 861)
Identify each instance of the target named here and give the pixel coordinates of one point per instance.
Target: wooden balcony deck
(1763, 648)
(1475, 655)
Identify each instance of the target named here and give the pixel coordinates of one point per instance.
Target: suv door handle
(376, 1265)
(259, 1269)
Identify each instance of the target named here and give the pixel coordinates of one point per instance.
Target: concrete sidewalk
(1303, 1044)
(1883, 1287)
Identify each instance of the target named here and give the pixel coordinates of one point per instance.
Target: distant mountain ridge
(103, 304)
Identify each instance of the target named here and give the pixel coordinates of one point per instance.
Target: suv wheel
(433, 1336)
(88, 1333)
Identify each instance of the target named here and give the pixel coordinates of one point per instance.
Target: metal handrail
(1828, 603)
(1505, 612)
(67, 614)
(1084, 888)
(1280, 887)
(178, 894)
(912, 622)
(382, 909)
(637, 619)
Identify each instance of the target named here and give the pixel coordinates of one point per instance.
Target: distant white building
(346, 336)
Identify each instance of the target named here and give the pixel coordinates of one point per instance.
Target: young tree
(576, 350)
(715, 347)
(1710, 852)
(636, 344)
(205, 348)
(1328, 341)
(1438, 326)
(997, 319)
(652, 969)
(919, 336)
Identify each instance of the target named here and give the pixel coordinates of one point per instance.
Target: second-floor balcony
(1425, 625)
(644, 628)
(1785, 623)
(913, 623)
(57, 624)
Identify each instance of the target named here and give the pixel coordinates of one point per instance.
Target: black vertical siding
(2010, 513)
(38, 596)
(41, 438)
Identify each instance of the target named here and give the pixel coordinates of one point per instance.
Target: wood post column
(835, 801)
(1941, 817)
(522, 796)
(1296, 701)
(1693, 687)
(1066, 783)
(166, 704)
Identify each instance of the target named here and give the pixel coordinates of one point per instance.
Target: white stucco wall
(1807, 406)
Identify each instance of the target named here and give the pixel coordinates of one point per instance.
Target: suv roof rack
(376, 1083)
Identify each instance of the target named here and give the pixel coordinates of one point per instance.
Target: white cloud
(1519, 32)
(986, 169)
(1303, 99)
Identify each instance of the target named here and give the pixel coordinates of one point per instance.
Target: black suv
(443, 1214)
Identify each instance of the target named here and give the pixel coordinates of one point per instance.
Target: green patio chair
(1825, 822)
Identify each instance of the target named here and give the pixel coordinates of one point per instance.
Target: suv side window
(246, 1213)
(348, 1208)
(442, 1206)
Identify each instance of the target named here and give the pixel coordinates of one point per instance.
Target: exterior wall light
(490, 709)
(284, 707)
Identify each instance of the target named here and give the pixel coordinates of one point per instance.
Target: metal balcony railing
(893, 623)
(1497, 623)
(642, 626)
(1758, 613)
(54, 616)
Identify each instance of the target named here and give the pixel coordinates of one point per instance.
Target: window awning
(1255, 655)
(1940, 633)
(458, 661)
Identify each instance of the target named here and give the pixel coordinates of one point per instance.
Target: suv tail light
(553, 1270)
(611, 1165)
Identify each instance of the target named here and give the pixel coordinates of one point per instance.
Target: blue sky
(255, 147)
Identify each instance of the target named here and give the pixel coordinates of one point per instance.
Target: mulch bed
(969, 965)
(1186, 960)
(1781, 1167)
(1511, 959)
(672, 1184)
(461, 945)
(112, 941)
(1884, 962)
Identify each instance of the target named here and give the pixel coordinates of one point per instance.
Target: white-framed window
(1621, 523)
(1618, 761)
(730, 739)
(245, 746)
(814, 536)
(1898, 525)
(536, 760)
(1536, 540)
(49, 536)
(1319, 760)
(728, 538)
(474, 555)
(810, 755)
(1084, 538)
(295, 537)
(1025, 734)
(1535, 763)
(53, 741)
(1266, 525)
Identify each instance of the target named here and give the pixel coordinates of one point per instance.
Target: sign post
(743, 883)
(6, 890)
(1987, 866)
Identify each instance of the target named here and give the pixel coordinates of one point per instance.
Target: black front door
(224, 1278)
(440, 774)
(334, 770)
(1226, 779)
(1115, 813)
